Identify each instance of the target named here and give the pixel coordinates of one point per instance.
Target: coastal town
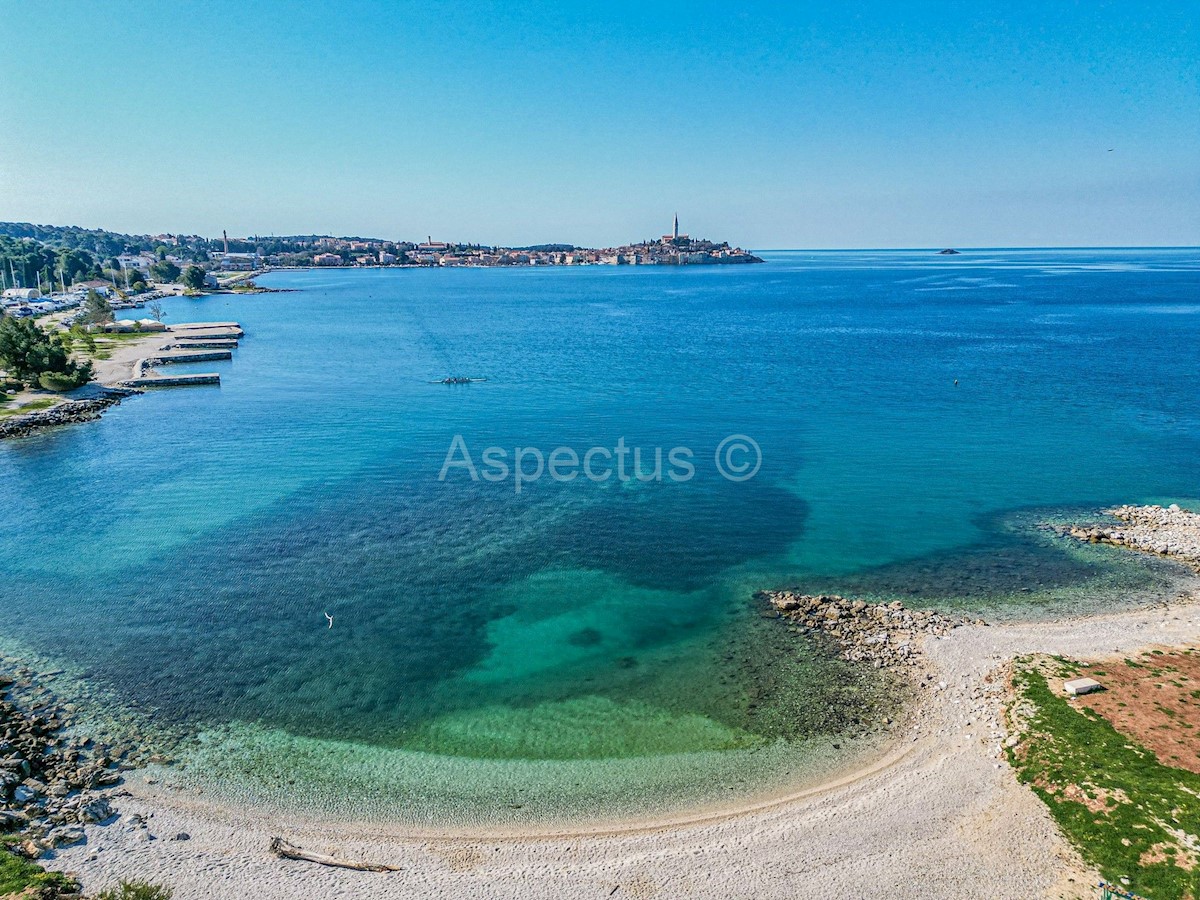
(45, 268)
(65, 292)
(48, 269)
(672, 249)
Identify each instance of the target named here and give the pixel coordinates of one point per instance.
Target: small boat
(458, 379)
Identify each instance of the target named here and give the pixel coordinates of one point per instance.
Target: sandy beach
(942, 815)
(119, 365)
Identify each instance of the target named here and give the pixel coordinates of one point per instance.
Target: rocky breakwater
(68, 412)
(52, 782)
(1166, 531)
(884, 634)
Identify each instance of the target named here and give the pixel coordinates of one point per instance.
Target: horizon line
(961, 248)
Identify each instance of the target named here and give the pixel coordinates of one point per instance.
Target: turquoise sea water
(580, 648)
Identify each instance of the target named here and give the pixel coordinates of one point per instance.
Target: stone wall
(66, 413)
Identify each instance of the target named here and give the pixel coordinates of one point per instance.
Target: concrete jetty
(188, 356)
(190, 326)
(232, 334)
(206, 330)
(173, 380)
(193, 342)
(204, 343)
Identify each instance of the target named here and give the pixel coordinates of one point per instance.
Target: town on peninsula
(46, 258)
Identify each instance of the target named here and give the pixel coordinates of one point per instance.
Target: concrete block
(1079, 686)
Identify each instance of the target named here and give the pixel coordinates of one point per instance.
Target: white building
(141, 262)
(239, 262)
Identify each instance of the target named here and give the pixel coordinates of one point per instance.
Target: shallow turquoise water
(590, 646)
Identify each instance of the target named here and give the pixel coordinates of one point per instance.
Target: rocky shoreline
(68, 412)
(1165, 531)
(883, 634)
(53, 781)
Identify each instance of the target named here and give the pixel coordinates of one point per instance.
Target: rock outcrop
(66, 413)
(884, 634)
(1166, 531)
(52, 783)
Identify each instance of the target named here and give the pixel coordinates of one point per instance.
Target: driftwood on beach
(283, 849)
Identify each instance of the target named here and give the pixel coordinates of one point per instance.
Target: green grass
(106, 343)
(136, 890)
(31, 406)
(1147, 810)
(119, 336)
(18, 874)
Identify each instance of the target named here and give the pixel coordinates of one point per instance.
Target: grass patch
(118, 337)
(31, 406)
(1129, 815)
(136, 890)
(19, 874)
(105, 344)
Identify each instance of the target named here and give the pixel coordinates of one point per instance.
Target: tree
(156, 310)
(96, 309)
(33, 356)
(164, 270)
(75, 265)
(193, 278)
(78, 334)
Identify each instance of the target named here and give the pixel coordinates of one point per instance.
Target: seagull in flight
(330, 618)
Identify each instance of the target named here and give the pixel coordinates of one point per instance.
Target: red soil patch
(1154, 698)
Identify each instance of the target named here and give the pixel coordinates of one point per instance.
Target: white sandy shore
(119, 366)
(942, 817)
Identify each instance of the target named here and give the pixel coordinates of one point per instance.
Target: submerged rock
(877, 633)
(1165, 531)
(50, 781)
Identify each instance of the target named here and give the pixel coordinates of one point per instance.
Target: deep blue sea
(583, 647)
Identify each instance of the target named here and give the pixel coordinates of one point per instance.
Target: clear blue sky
(798, 125)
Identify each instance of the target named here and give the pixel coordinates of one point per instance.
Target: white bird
(330, 618)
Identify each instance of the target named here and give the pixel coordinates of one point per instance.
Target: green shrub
(18, 874)
(27, 352)
(136, 890)
(65, 381)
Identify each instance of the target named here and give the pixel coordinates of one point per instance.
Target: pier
(202, 326)
(203, 343)
(192, 331)
(186, 356)
(193, 342)
(222, 334)
(173, 380)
